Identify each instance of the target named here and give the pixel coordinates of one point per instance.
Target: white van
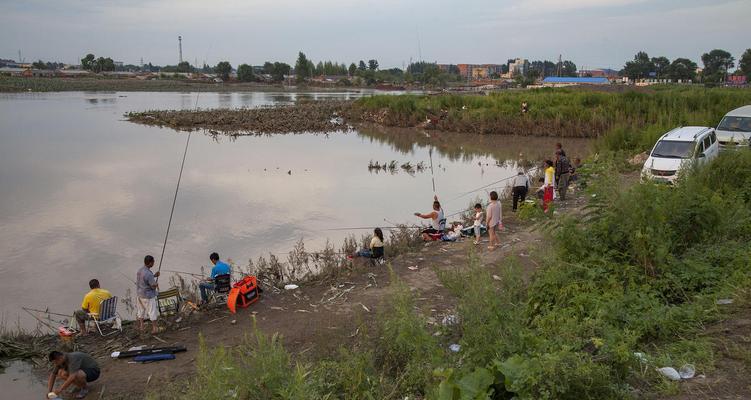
(679, 149)
(734, 130)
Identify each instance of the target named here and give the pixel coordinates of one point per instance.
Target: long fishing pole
(40, 320)
(185, 273)
(432, 176)
(490, 184)
(45, 312)
(177, 189)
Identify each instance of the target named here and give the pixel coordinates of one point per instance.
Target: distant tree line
(716, 65)
(101, 64)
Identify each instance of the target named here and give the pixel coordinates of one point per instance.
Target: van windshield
(735, 124)
(673, 149)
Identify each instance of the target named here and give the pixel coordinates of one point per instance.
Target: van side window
(707, 142)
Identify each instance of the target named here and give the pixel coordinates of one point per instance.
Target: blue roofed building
(573, 80)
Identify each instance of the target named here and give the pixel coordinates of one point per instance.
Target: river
(86, 194)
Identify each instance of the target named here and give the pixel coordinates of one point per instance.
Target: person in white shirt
(478, 222)
(520, 188)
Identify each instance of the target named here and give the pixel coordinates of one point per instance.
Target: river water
(85, 194)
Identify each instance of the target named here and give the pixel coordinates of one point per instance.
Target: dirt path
(316, 319)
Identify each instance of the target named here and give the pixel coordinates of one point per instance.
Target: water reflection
(506, 150)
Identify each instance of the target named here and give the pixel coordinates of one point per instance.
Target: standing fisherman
(562, 173)
(146, 286)
(520, 189)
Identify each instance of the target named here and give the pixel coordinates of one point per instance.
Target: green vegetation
(625, 289)
(744, 64)
(223, 69)
(639, 273)
(245, 73)
(716, 65)
(629, 120)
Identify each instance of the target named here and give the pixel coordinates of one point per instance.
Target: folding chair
(222, 286)
(107, 314)
(169, 301)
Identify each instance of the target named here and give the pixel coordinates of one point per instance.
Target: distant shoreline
(19, 85)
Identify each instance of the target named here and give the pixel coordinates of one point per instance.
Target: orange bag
(243, 293)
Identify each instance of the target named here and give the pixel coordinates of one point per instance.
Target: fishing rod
(45, 312)
(491, 184)
(177, 189)
(432, 176)
(185, 273)
(362, 227)
(127, 277)
(41, 321)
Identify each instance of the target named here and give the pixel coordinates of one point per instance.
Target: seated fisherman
(90, 305)
(437, 223)
(219, 268)
(76, 369)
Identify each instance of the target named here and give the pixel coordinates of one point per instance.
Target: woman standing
(549, 185)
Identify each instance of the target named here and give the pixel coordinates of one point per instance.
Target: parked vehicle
(679, 150)
(734, 130)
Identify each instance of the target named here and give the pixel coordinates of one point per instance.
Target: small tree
(87, 62)
(373, 64)
(716, 65)
(682, 68)
(39, 65)
(279, 70)
(661, 65)
(362, 66)
(184, 67)
(744, 64)
(224, 68)
(245, 73)
(302, 67)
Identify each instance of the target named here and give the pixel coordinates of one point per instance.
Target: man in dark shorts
(75, 369)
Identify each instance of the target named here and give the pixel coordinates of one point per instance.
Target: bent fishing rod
(177, 190)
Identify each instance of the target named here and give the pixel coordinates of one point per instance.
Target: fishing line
(177, 189)
(432, 176)
(491, 184)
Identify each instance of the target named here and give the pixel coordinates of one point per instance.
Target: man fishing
(146, 286)
(219, 268)
(437, 223)
(90, 305)
(74, 369)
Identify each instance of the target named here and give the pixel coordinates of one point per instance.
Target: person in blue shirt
(219, 268)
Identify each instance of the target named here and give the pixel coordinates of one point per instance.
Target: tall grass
(629, 120)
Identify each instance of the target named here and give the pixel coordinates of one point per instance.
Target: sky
(592, 33)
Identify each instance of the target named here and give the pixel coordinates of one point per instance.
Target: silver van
(734, 130)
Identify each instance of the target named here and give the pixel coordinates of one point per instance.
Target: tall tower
(180, 47)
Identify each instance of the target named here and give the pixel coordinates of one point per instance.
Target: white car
(734, 130)
(678, 150)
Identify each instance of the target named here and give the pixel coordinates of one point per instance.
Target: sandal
(82, 393)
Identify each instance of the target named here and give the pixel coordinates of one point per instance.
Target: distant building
(737, 80)
(571, 81)
(479, 71)
(519, 66)
(599, 73)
